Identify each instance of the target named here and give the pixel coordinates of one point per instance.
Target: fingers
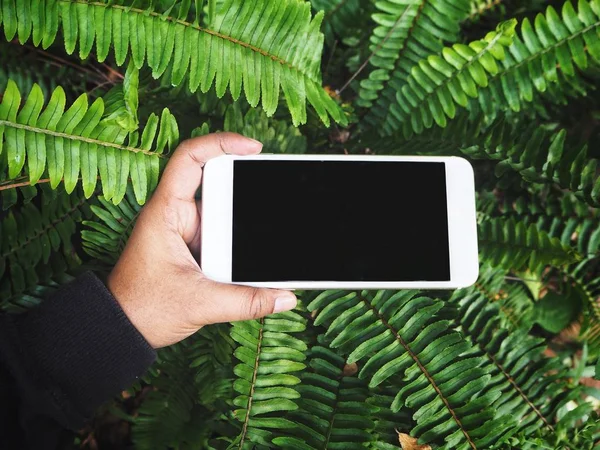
(183, 173)
(229, 303)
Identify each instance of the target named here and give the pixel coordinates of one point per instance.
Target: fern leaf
(188, 379)
(51, 277)
(104, 238)
(407, 32)
(404, 342)
(553, 51)
(533, 387)
(438, 84)
(76, 143)
(285, 55)
(333, 412)
(276, 136)
(36, 243)
(167, 409)
(514, 246)
(269, 357)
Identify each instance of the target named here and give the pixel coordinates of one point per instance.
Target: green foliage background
(95, 94)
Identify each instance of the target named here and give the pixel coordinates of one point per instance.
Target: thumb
(230, 303)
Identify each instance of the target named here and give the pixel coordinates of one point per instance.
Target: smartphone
(346, 222)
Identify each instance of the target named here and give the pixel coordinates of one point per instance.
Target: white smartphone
(346, 222)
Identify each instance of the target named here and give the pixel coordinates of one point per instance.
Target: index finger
(183, 173)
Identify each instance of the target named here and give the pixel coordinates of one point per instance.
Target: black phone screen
(339, 221)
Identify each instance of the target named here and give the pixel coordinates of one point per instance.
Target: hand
(157, 280)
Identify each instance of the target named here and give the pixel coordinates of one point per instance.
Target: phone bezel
(217, 223)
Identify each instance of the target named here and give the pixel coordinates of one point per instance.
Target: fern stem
(77, 138)
(331, 422)
(254, 375)
(191, 25)
(21, 184)
(60, 62)
(501, 368)
(383, 41)
(45, 229)
(423, 370)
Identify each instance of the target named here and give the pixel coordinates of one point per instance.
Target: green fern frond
(403, 341)
(539, 154)
(284, 55)
(514, 246)
(31, 236)
(438, 85)
(407, 32)
(332, 412)
(266, 375)
(276, 136)
(515, 305)
(76, 142)
(546, 56)
(167, 408)
(104, 238)
(188, 380)
(51, 277)
(533, 387)
(20, 192)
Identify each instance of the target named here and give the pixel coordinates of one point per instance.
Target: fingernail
(254, 140)
(284, 303)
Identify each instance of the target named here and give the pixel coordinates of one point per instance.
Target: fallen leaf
(410, 443)
(350, 369)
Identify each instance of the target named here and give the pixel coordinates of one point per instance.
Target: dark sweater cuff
(82, 347)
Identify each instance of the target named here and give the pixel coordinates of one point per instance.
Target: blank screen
(339, 221)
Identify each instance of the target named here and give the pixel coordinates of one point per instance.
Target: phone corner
(469, 278)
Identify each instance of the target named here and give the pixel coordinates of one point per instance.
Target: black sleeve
(62, 360)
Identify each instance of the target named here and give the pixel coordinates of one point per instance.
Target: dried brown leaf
(407, 442)
(350, 369)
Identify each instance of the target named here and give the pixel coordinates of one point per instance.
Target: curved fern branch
(547, 55)
(78, 141)
(538, 153)
(188, 379)
(52, 277)
(104, 238)
(514, 246)
(533, 387)
(416, 29)
(439, 83)
(37, 243)
(238, 48)
(405, 342)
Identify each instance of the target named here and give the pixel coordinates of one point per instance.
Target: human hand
(158, 281)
